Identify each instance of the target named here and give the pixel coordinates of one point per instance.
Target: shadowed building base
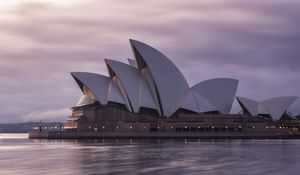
(163, 135)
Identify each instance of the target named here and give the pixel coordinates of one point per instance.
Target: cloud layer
(42, 41)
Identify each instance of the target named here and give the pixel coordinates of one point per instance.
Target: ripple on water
(19, 155)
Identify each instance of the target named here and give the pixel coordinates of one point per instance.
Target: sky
(42, 41)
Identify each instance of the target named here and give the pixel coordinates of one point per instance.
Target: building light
(240, 127)
(103, 127)
(90, 127)
(212, 127)
(185, 126)
(226, 127)
(172, 127)
(199, 127)
(117, 127)
(144, 127)
(280, 127)
(130, 127)
(157, 127)
(253, 127)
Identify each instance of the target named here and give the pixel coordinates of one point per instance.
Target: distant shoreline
(25, 127)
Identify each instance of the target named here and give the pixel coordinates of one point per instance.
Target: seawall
(161, 135)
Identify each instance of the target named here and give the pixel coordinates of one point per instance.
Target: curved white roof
(193, 101)
(98, 84)
(250, 105)
(120, 90)
(189, 102)
(84, 100)
(133, 85)
(203, 104)
(146, 97)
(132, 62)
(275, 107)
(261, 109)
(102, 87)
(114, 94)
(220, 92)
(278, 106)
(149, 81)
(169, 82)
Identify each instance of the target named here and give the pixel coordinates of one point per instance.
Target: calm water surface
(19, 155)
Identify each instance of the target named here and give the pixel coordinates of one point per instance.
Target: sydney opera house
(150, 94)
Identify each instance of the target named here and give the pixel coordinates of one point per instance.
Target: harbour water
(21, 156)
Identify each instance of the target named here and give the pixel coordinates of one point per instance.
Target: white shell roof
(153, 90)
(278, 106)
(120, 91)
(169, 81)
(249, 104)
(98, 84)
(134, 86)
(146, 97)
(261, 109)
(275, 107)
(114, 94)
(189, 102)
(220, 92)
(203, 104)
(84, 100)
(193, 101)
(132, 62)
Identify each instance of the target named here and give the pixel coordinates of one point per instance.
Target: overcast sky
(41, 41)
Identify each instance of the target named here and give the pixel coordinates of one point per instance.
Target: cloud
(255, 42)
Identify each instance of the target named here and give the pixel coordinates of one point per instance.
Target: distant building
(151, 94)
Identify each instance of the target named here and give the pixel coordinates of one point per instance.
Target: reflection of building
(151, 94)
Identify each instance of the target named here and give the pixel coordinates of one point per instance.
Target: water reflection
(18, 155)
